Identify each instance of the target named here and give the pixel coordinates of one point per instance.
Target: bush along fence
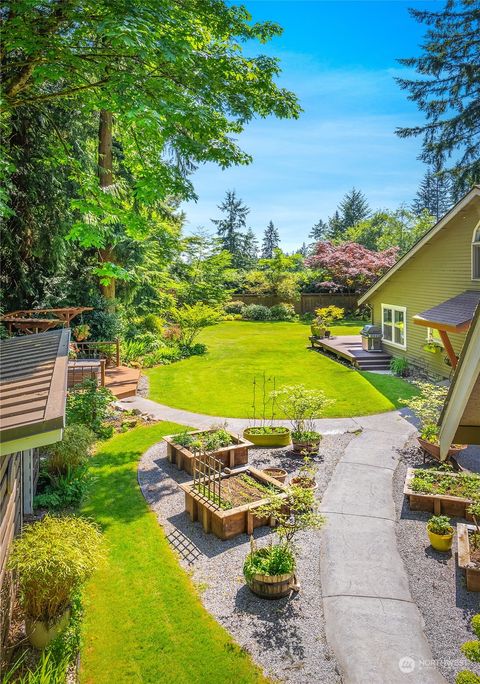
(307, 302)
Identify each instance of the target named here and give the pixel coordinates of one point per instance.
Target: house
(426, 302)
(33, 381)
(460, 419)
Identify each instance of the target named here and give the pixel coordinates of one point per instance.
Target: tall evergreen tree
(230, 228)
(319, 231)
(353, 208)
(271, 240)
(249, 252)
(434, 194)
(303, 250)
(448, 89)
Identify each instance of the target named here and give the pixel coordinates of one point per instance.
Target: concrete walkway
(372, 623)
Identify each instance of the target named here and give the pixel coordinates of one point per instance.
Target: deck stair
(349, 348)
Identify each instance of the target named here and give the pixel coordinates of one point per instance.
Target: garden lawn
(143, 619)
(219, 383)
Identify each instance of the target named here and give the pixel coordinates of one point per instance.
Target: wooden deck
(122, 381)
(349, 347)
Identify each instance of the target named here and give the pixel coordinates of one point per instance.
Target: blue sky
(339, 57)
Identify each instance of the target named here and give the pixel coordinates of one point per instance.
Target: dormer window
(476, 254)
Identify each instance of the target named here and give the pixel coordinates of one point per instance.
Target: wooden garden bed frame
(438, 504)
(472, 572)
(226, 524)
(231, 456)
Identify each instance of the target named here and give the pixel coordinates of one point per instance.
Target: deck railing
(109, 351)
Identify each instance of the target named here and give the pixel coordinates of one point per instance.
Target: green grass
(220, 382)
(143, 620)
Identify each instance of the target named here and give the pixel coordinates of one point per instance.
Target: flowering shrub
(350, 265)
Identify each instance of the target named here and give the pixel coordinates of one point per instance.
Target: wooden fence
(306, 303)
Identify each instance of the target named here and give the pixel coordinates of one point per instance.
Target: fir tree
(303, 250)
(319, 231)
(434, 194)
(249, 253)
(230, 228)
(271, 240)
(448, 90)
(353, 209)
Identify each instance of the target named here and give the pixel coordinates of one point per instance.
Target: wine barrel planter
(306, 447)
(472, 570)
(280, 438)
(228, 523)
(232, 456)
(434, 449)
(272, 586)
(304, 482)
(438, 504)
(277, 473)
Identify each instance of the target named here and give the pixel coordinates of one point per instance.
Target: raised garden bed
(242, 492)
(233, 455)
(440, 492)
(468, 558)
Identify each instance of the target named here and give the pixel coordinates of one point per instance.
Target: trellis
(207, 478)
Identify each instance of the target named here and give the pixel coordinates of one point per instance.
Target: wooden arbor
(32, 321)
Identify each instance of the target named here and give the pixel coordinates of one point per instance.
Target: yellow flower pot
(440, 542)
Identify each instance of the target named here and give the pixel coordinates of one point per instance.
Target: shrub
(427, 406)
(256, 312)
(235, 307)
(72, 451)
(192, 320)
(327, 315)
(471, 650)
(277, 559)
(301, 406)
(466, 677)
(399, 366)
(89, 404)
(104, 325)
(52, 559)
(282, 312)
(58, 492)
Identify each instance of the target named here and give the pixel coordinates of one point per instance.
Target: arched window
(476, 254)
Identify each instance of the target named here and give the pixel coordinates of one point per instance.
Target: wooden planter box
(226, 524)
(472, 572)
(438, 504)
(231, 456)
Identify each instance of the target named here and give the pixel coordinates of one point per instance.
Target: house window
(393, 325)
(476, 254)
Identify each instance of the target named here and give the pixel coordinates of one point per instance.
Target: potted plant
(427, 406)
(325, 317)
(440, 532)
(277, 473)
(306, 475)
(51, 560)
(270, 570)
(81, 332)
(266, 434)
(302, 406)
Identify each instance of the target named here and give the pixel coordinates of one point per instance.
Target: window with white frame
(393, 325)
(476, 254)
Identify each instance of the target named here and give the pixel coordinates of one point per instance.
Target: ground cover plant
(219, 382)
(143, 619)
(463, 485)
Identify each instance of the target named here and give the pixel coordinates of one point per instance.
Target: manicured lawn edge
(144, 621)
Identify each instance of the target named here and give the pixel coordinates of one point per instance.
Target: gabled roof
(33, 381)
(473, 195)
(460, 418)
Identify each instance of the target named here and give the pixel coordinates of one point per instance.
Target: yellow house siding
(439, 271)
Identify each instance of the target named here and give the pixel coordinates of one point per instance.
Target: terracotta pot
(434, 449)
(274, 439)
(277, 473)
(272, 586)
(40, 634)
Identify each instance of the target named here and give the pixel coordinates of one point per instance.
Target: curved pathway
(373, 625)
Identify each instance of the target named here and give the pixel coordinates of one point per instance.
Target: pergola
(460, 419)
(455, 315)
(32, 321)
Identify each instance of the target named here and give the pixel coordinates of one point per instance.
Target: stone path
(372, 623)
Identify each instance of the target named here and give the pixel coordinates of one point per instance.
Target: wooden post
(117, 342)
(448, 348)
(102, 372)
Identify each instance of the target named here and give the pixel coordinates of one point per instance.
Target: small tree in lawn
(350, 266)
(192, 319)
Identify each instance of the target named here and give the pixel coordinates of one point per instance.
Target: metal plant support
(207, 478)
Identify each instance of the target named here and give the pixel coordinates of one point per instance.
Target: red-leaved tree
(350, 265)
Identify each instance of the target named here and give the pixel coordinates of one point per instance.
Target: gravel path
(436, 583)
(285, 637)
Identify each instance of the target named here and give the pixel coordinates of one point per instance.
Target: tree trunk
(105, 177)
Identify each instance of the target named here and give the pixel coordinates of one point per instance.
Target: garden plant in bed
(469, 547)
(266, 434)
(441, 491)
(302, 406)
(183, 447)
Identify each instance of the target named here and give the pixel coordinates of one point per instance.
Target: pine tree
(303, 250)
(448, 90)
(271, 240)
(230, 228)
(434, 194)
(249, 253)
(353, 208)
(319, 231)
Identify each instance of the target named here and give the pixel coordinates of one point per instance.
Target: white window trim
(394, 308)
(475, 243)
